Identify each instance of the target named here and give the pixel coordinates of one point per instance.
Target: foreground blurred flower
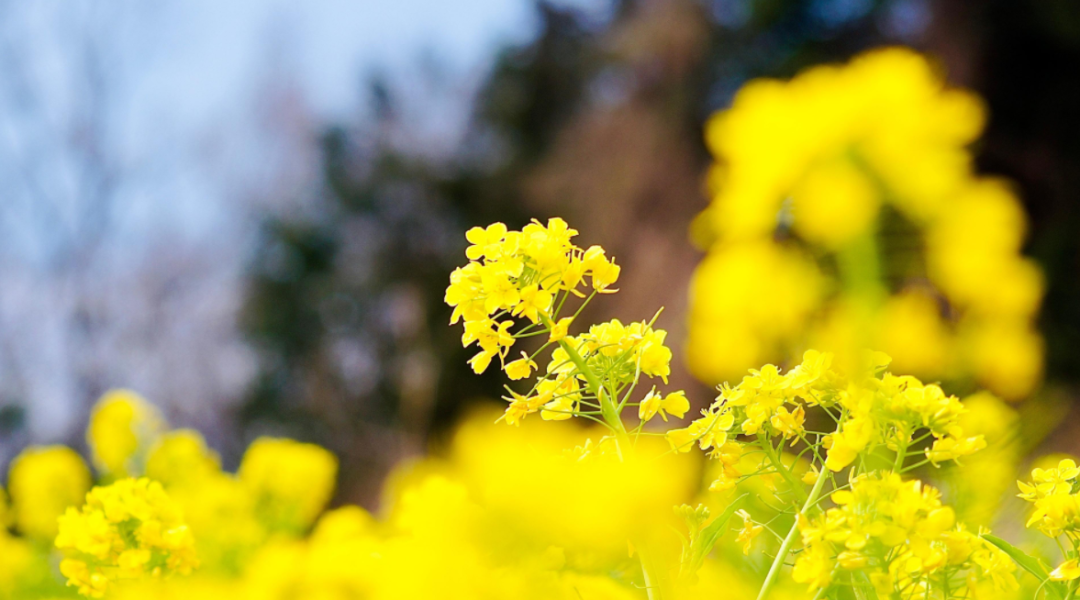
(126, 530)
(43, 481)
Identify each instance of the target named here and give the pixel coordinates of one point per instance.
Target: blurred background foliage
(598, 119)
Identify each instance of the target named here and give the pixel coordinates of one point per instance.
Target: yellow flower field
(862, 307)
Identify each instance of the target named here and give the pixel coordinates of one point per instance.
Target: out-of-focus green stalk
(785, 546)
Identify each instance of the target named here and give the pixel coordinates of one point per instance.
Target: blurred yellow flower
(290, 481)
(43, 481)
(122, 428)
(126, 530)
(845, 215)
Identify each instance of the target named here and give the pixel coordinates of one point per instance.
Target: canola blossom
(887, 533)
(845, 214)
(809, 487)
(125, 530)
(808, 478)
(530, 274)
(1054, 493)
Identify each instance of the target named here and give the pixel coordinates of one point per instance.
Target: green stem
(901, 454)
(607, 407)
(656, 585)
(860, 272)
(774, 458)
(785, 546)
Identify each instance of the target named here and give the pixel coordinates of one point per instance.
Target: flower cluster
(870, 410)
(131, 531)
(126, 530)
(845, 215)
(1055, 494)
(900, 536)
(522, 274)
(531, 274)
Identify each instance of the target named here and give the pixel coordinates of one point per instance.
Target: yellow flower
(897, 532)
(748, 533)
(181, 458)
(559, 409)
(122, 428)
(845, 446)
(813, 567)
(291, 481)
(649, 405)
(674, 403)
(520, 368)
(485, 242)
(823, 166)
(127, 530)
(560, 329)
(789, 423)
(681, 440)
(481, 361)
(499, 290)
(1066, 571)
(534, 302)
(951, 448)
(833, 203)
(43, 482)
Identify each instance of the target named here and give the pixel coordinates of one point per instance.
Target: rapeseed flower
(126, 530)
(815, 180)
(290, 482)
(122, 428)
(44, 481)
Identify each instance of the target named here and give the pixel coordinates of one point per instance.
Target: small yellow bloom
(648, 406)
(681, 440)
(675, 403)
(481, 361)
(520, 368)
(485, 242)
(748, 533)
(1066, 571)
(560, 330)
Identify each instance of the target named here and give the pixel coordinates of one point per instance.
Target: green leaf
(1029, 564)
(712, 532)
(863, 588)
(702, 544)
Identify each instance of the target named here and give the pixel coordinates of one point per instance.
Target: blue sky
(209, 47)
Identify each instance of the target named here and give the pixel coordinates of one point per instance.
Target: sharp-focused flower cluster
(126, 530)
(846, 215)
(531, 274)
(1055, 494)
(870, 411)
(901, 538)
(887, 535)
(523, 274)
